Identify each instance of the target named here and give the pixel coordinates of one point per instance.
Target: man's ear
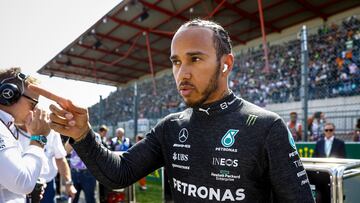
(228, 61)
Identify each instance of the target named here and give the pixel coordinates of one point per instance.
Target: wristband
(39, 138)
(69, 182)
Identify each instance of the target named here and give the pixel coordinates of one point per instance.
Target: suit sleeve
(287, 174)
(316, 151)
(118, 171)
(342, 150)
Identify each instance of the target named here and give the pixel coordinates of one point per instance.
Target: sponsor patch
(251, 120)
(208, 193)
(291, 139)
(180, 166)
(224, 175)
(229, 138)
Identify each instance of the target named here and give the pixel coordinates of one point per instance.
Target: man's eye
(195, 59)
(175, 62)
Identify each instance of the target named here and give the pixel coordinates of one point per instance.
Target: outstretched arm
(118, 171)
(108, 167)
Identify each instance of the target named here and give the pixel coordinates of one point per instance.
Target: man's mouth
(186, 89)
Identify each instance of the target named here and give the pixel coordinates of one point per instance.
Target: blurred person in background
(356, 133)
(56, 157)
(295, 127)
(103, 130)
(20, 168)
(316, 126)
(120, 142)
(329, 146)
(103, 190)
(220, 149)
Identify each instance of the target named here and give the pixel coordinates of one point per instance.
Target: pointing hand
(69, 119)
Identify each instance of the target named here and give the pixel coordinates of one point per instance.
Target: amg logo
(180, 157)
(225, 162)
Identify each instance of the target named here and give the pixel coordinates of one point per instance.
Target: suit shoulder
(178, 116)
(338, 140)
(252, 109)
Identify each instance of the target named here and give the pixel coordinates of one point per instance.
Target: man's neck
(329, 138)
(221, 96)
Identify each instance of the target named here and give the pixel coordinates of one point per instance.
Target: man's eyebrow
(173, 57)
(194, 53)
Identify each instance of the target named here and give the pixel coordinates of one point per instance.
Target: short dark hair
(317, 114)
(221, 37)
(103, 128)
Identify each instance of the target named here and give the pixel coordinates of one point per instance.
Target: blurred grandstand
(129, 48)
(115, 42)
(333, 73)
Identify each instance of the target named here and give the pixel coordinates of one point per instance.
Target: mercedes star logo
(183, 135)
(7, 93)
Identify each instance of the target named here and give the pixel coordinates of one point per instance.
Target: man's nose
(184, 72)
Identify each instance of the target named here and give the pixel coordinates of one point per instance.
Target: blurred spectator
(142, 181)
(356, 137)
(120, 142)
(295, 127)
(316, 126)
(329, 146)
(103, 190)
(103, 135)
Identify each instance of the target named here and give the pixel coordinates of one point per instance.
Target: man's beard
(211, 88)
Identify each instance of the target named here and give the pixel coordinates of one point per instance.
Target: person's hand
(70, 190)
(37, 122)
(69, 119)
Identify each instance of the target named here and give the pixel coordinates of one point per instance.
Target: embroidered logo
(291, 139)
(183, 135)
(251, 119)
(229, 138)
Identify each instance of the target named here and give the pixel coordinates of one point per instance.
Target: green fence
(306, 149)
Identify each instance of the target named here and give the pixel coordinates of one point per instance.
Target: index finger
(47, 94)
(64, 103)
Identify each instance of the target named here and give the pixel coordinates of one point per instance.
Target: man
(221, 149)
(104, 141)
(56, 156)
(19, 170)
(120, 142)
(295, 127)
(102, 132)
(329, 146)
(316, 126)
